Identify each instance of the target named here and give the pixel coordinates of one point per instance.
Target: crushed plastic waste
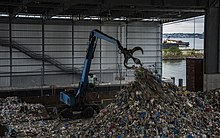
(151, 108)
(147, 107)
(13, 110)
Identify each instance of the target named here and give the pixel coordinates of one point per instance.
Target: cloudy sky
(186, 26)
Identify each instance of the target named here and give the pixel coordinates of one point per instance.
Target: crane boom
(79, 98)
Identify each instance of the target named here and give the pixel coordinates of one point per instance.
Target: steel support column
(161, 50)
(10, 39)
(212, 46)
(72, 49)
(43, 49)
(100, 54)
(126, 42)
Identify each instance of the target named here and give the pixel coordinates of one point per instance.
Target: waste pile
(147, 107)
(13, 111)
(151, 108)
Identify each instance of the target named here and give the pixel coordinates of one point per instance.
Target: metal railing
(46, 58)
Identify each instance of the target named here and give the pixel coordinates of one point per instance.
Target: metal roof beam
(20, 8)
(67, 4)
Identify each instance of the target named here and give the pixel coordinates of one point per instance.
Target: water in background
(174, 68)
(177, 68)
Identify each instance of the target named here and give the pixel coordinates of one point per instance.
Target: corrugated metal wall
(58, 45)
(4, 57)
(148, 36)
(25, 70)
(67, 44)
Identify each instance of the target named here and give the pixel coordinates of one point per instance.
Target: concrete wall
(211, 81)
(212, 47)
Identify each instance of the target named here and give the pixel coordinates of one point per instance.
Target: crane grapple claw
(128, 54)
(137, 48)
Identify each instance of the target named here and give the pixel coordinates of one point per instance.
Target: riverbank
(181, 54)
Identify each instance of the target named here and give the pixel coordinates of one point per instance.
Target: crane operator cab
(93, 81)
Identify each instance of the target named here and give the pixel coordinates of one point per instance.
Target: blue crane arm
(106, 37)
(79, 98)
(94, 35)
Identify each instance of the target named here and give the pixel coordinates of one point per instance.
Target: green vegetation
(176, 53)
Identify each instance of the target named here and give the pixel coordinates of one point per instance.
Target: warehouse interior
(58, 32)
(43, 44)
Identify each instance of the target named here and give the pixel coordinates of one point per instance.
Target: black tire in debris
(66, 113)
(88, 112)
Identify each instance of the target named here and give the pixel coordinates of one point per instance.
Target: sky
(185, 26)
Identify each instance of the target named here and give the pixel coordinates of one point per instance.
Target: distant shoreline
(179, 58)
(185, 53)
(184, 35)
(172, 58)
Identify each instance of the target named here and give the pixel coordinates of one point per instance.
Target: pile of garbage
(151, 108)
(148, 107)
(12, 110)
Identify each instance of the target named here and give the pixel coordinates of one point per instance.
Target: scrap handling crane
(77, 101)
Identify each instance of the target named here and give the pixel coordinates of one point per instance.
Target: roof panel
(133, 9)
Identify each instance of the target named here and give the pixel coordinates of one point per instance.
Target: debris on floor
(13, 110)
(146, 108)
(150, 108)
